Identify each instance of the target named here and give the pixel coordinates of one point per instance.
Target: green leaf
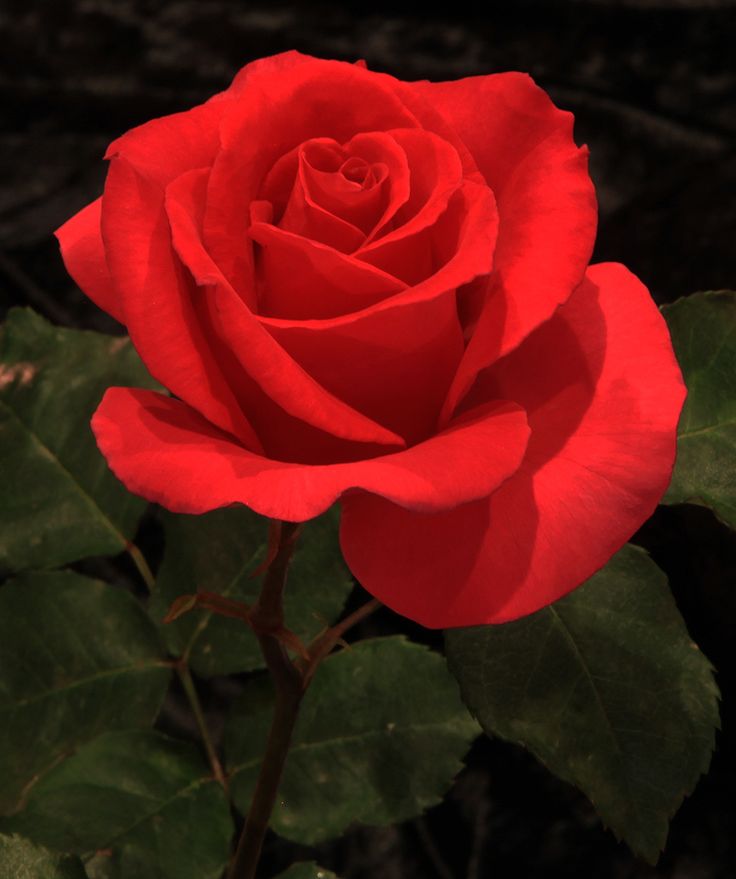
(380, 738)
(21, 859)
(607, 689)
(306, 870)
(144, 803)
(77, 657)
(58, 500)
(703, 328)
(218, 552)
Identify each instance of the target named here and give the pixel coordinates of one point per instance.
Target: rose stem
(267, 619)
(185, 676)
(290, 682)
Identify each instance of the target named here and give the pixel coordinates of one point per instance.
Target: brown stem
(267, 614)
(290, 682)
(323, 644)
(267, 619)
(286, 711)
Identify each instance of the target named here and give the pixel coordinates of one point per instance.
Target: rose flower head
(378, 292)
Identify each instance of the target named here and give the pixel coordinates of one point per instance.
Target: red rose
(363, 289)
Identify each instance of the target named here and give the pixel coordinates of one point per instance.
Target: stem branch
(139, 560)
(323, 644)
(185, 676)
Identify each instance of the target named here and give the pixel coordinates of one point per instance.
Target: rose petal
(604, 393)
(435, 173)
(395, 370)
(356, 192)
(376, 147)
(301, 279)
(304, 216)
(286, 106)
(395, 360)
(156, 298)
(238, 337)
(326, 202)
(523, 146)
(266, 67)
(465, 237)
(419, 107)
(162, 449)
(83, 253)
(163, 148)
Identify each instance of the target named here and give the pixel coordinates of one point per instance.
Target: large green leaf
(703, 328)
(379, 739)
(77, 657)
(606, 687)
(58, 500)
(21, 859)
(146, 804)
(305, 870)
(218, 552)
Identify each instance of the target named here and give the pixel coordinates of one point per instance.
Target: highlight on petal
(603, 394)
(83, 252)
(163, 450)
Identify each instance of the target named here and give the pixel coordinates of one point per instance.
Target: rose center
(329, 193)
(336, 180)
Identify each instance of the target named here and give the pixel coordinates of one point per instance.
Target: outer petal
(83, 253)
(524, 148)
(168, 146)
(158, 302)
(269, 66)
(162, 449)
(603, 392)
(155, 294)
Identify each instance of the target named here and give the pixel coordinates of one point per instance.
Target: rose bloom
(378, 292)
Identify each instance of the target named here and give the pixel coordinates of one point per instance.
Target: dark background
(652, 85)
